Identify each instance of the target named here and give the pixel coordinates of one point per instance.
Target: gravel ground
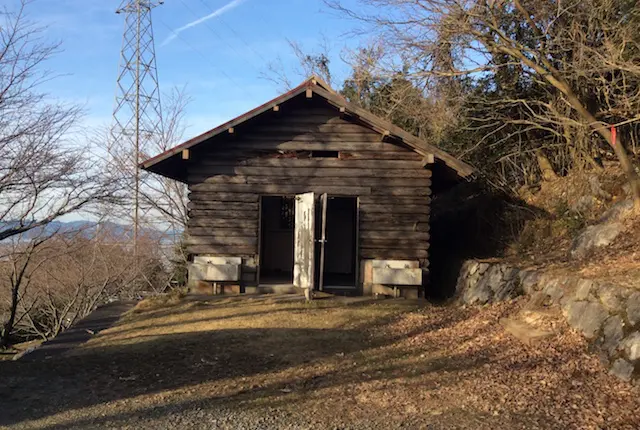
(206, 417)
(261, 364)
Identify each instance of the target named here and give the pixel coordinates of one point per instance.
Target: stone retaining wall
(607, 315)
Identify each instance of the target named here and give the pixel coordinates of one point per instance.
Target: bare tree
(50, 281)
(396, 96)
(43, 175)
(163, 202)
(18, 266)
(308, 64)
(578, 60)
(80, 270)
(167, 197)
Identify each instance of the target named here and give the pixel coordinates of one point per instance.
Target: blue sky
(220, 67)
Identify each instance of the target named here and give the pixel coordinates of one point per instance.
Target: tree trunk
(603, 130)
(8, 325)
(629, 170)
(552, 76)
(548, 174)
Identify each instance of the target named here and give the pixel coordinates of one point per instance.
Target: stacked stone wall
(607, 315)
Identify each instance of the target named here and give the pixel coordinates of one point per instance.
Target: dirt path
(260, 363)
(100, 319)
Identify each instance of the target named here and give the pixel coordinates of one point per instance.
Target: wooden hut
(309, 192)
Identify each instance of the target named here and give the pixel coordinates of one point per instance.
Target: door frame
(323, 198)
(260, 230)
(356, 264)
(357, 247)
(259, 253)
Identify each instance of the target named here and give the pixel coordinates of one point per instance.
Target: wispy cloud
(224, 9)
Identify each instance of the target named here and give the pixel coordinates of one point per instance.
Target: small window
(325, 154)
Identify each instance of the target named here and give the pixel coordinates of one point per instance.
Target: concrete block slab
(222, 273)
(389, 276)
(395, 264)
(203, 259)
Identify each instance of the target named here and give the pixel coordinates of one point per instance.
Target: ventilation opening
(325, 154)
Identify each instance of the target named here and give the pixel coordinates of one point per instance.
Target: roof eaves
(147, 164)
(383, 125)
(320, 87)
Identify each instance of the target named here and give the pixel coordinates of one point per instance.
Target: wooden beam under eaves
(276, 108)
(231, 130)
(185, 154)
(428, 159)
(309, 93)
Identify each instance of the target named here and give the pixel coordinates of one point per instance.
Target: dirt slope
(564, 208)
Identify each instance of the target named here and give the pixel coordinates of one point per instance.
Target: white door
(304, 244)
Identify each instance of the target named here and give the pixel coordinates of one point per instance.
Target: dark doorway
(276, 240)
(340, 247)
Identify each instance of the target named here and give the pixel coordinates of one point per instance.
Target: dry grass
(160, 301)
(18, 348)
(618, 263)
(545, 242)
(335, 362)
(571, 188)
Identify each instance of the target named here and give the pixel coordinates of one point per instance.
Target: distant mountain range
(90, 228)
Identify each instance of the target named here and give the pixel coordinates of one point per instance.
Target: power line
(217, 35)
(213, 66)
(238, 35)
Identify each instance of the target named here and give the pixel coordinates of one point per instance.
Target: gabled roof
(319, 87)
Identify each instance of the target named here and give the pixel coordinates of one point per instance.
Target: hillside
(571, 212)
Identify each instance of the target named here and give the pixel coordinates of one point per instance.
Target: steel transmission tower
(137, 115)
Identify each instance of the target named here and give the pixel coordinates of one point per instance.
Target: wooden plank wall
(227, 178)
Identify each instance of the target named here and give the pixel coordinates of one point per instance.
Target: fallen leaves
(442, 366)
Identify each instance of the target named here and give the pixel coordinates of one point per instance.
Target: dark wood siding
(227, 177)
